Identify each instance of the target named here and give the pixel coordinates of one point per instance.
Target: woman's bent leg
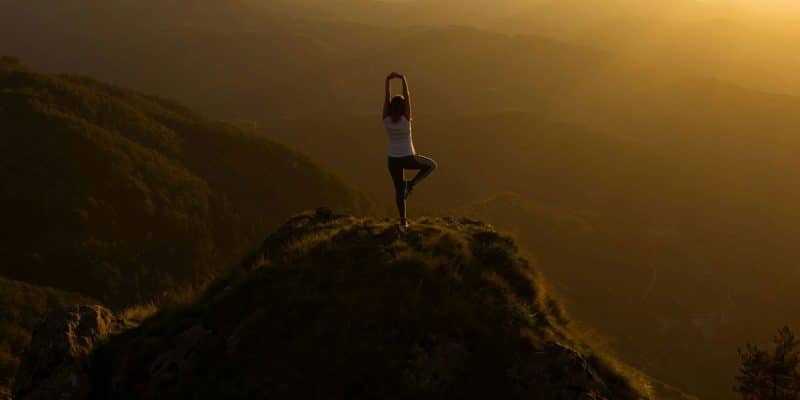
(425, 166)
(396, 171)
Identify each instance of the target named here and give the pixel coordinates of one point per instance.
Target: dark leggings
(396, 167)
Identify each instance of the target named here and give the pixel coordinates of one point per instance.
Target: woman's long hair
(397, 107)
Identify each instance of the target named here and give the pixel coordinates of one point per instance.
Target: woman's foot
(404, 224)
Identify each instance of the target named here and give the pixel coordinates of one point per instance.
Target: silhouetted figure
(402, 155)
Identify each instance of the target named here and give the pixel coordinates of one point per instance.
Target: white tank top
(399, 133)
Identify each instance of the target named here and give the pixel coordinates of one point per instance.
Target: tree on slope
(771, 376)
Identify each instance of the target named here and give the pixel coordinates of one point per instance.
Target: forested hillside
(120, 196)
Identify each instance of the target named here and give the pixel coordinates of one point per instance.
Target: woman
(402, 156)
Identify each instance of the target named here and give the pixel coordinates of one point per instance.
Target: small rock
(169, 366)
(324, 212)
(470, 221)
(571, 375)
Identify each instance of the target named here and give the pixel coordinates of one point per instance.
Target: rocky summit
(338, 307)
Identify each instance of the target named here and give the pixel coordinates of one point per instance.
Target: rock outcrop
(55, 366)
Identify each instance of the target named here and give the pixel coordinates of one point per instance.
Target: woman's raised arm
(387, 96)
(407, 95)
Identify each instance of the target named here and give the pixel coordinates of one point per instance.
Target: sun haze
(411, 198)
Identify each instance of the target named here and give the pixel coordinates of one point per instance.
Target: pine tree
(776, 376)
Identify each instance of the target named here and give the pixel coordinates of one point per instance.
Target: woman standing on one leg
(402, 156)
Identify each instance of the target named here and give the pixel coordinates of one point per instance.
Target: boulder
(55, 366)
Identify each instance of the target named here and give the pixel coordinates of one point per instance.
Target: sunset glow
(407, 199)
